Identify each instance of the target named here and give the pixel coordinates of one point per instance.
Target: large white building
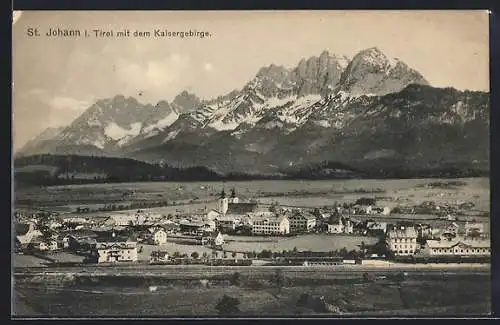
(402, 241)
(278, 225)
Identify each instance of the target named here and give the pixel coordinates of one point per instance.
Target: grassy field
(65, 257)
(27, 261)
(315, 193)
(250, 244)
(258, 297)
(313, 242)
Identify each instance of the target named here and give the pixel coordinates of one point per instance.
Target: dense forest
(58, 170)
(382, 170)
(46, 170)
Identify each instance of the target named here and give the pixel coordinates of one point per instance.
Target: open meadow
(312, 242)
(315, 193)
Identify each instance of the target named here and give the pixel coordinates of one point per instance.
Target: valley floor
(439, 295)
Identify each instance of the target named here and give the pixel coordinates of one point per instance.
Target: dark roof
(82, 233)
(334, 221)
(241, 208)
(22, 228)
(107, 236)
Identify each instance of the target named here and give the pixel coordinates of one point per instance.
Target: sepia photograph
(257, 164)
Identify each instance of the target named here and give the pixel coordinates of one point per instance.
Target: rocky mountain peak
(374, 73)
(319, 75)
(185, 102)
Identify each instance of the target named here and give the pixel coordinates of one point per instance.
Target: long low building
(312, 260)
(458, 247)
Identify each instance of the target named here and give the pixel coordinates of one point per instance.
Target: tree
(233, 254)
(274, 207)
(365, 201)
(368, 277)
(474, 233)
(195, 255)
(265, 254)
(235, 279)
(205, 255)
(279, 278)
(303, 300)
(176, 255)
(228, 305)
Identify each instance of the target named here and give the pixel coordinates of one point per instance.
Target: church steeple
(223, 202)
(233, 193)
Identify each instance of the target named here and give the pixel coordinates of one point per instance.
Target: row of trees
(195, 255)
(266, 254)
(343, 252)
(134, 205)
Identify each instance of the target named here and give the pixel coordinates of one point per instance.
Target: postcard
(259, 164)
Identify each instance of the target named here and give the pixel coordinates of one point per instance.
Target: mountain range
(371, 112)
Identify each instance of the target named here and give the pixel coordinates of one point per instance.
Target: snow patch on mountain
(115, 132)
(171, 135)
(323, 123)
(276, 102)
(99, 144)
(161, 124)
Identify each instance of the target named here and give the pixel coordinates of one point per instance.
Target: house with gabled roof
(301, 221)
(26, 233)
(402, 240)
(114, 249)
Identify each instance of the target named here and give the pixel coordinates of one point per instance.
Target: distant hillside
(73, 169)
(49, 170)
(384, 169)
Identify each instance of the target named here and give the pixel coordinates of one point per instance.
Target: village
(236, 230)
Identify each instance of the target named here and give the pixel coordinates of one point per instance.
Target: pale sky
(56, 79)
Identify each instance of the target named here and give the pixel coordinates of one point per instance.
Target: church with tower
(224, 201)
(230, 211)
